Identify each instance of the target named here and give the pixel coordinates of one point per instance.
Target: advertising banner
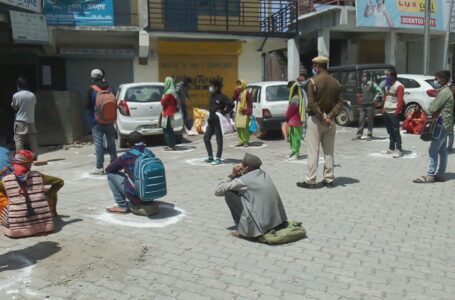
(399, 14)
(79, 12)
(31, 5)
(29, 28)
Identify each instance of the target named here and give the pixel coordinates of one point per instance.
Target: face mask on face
(388, 81)
(244, 171)
(315, 71)
(211, 89)
(436, 84)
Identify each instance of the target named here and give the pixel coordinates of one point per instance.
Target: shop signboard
(79, 12)
(399, 14)
(29, 28)
(30, 5)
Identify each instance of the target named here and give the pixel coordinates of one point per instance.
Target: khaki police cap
(320, 60)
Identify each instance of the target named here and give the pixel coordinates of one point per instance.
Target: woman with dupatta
(169, 103)
(243, 111)
(295, 117)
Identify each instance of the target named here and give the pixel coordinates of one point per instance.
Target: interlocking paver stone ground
(376, 235)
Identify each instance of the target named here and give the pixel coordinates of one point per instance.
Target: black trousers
(214, 127)
(392, 124)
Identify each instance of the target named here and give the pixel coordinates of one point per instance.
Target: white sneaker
(398, 154)
(97, 171)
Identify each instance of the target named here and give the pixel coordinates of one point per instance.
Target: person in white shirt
(24, 103)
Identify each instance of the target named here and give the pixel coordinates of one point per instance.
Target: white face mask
(315, 71)
(211, 89)
(244, 171)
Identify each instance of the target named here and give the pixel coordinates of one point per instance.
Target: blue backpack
(149, 176)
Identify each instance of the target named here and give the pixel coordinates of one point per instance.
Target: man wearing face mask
(324, 102)
(393, 104)
(218, 103)
(252, 198)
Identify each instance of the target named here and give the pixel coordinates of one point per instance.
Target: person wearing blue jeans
(116, 183)
(100, 130)
(442, 108)
(450, 143)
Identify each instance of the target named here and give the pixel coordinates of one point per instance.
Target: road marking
(200, 162)
(251, 145)
(407, 155)
(304, 160)
(22, 276)
(156, 221)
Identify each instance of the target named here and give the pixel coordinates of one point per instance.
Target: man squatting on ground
(252, 198)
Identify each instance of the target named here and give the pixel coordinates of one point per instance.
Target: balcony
(309, 6)
(272, 18)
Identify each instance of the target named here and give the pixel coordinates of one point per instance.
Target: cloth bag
(432, 129)
(225, 122)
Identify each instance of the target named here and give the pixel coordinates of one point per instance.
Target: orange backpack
(105, 106)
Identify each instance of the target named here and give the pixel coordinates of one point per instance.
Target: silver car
(139, 109)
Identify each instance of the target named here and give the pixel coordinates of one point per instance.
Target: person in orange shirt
(415, 121)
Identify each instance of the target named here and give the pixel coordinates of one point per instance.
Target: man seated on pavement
(120, 173)
(20, 165)
(252, 198)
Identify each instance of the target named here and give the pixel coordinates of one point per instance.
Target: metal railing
(308, 6)
(248, 17)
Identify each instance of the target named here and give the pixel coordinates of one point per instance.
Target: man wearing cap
(100, 130)
(252, 198)
(20, 165)
(324, 102)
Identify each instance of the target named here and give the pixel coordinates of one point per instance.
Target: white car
(418, 89)
(270, 102)
(139, 109)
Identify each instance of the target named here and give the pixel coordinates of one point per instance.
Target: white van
(270, 102)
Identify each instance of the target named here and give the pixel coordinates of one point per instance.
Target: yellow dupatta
(301, 100)
(241, 120)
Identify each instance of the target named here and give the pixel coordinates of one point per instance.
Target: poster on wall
(79, 12)
(28, 28)
(31, 5)
(201, 69)
(399, 14)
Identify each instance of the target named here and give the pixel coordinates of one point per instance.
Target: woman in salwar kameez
(295, 117)
(243, 111)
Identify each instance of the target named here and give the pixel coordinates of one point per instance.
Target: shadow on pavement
(231, 161)
(450, 176)
(23, 258)
(344, 181)
(60, 223)
(166, 211)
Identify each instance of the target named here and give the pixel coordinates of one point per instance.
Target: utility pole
(426, 38)
(449, 30)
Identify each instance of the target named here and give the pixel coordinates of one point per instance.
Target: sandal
(424, 179)
(117, 210)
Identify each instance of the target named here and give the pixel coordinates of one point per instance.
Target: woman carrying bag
(295, 118)
(442, 110)
(243, 112)
(169, 103)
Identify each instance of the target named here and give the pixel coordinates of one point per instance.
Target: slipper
(117, 210)
(424, 179)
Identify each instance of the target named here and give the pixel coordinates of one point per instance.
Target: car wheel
(410, 108)
(261, 133)
(343, 118)
(122, 141)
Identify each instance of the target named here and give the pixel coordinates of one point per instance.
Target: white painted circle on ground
(181, 149)
(87, 175)
(304, 160)
(22, 274)
(201, 163)
(252, 145)
(407, 155)
(157, 221)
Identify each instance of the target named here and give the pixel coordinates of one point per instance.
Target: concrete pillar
(324, 42)
(391, 41)
(352, 52)
(293, 58)
(142, 11)
(437, 54)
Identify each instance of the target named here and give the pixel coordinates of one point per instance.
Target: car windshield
(277, 93)
(147, 93)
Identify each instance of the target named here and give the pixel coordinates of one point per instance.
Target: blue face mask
(436, 84)
(388, 81)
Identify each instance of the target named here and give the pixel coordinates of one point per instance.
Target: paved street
(376, 235)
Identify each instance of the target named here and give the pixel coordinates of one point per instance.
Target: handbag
(432, 129)
(225, 123)
(253, 126)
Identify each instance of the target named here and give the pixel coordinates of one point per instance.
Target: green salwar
(244, 135)
(295, 138)
(169, 134)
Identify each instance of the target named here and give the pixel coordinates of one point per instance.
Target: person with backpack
(442, 109)
(135, 178)
(252, 198)
(102, 107)
(30, 207)
(219, 103)
(170, 107)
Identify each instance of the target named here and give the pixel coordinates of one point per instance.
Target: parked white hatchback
(139, 110)
(270, 102)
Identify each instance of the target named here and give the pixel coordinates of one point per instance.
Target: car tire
(343, 117)
(122, 141)
(409, 109)
(261, 133)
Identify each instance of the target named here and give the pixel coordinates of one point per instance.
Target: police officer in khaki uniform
(324, 103)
